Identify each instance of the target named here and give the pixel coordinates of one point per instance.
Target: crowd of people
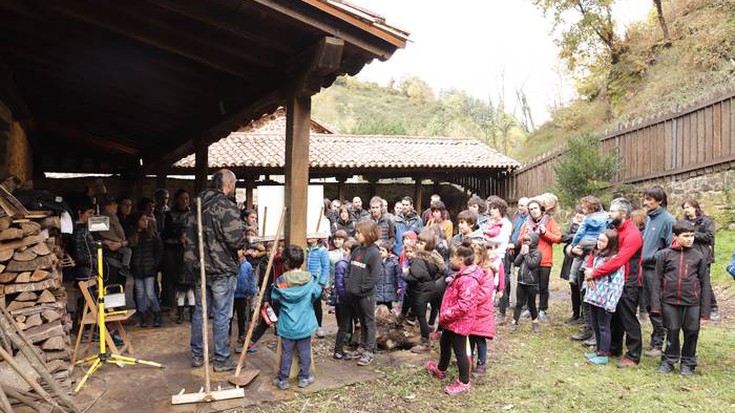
(454, 278)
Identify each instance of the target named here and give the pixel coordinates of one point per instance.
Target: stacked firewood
(31, 288)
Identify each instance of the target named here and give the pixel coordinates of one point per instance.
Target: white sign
(270, 204)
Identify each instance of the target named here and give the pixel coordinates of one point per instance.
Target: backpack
(731, 266)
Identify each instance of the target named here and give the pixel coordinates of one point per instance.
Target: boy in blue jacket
(247, 288)
(317, 263)
(296, 291)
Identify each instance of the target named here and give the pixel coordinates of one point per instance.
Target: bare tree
(662, 22)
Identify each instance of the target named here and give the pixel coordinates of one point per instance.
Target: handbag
(606, 291)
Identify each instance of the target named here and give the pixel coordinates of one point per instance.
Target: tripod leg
(131, 360)
(95, 366)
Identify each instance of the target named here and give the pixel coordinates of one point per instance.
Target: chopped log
(57, 365)
(5, 223)
(41, 249)
(29, 399)
(11, 233)
(17, 288)
(44, 331)
(39, 275)
(51, 222)
(33, 239)
(50, 315)
(2, 268)
(8, 376)
(39, 308)
(24, 277)
(30, 228)
(23, 256)
(46, 297)
(22, 326)
(54, 343)
(27, 296)
(6, 255)
(40, 262)
(16, 305)
(57, 355)
(20, 318)
(33, 321)
(8, 277)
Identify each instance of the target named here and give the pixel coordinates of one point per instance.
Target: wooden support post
(436, 183)
(298, 122)
(249, 185)
(418, 194)
(341, 188)
(373, 182)
(201, 150)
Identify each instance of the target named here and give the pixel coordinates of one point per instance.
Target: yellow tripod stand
(105, 356)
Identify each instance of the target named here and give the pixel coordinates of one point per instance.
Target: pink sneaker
(437, 335)
(457, 388)
(434, 370)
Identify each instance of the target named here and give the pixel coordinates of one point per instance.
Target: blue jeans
(145, 295)
(481, 344)
(303, 347)
(220, 298)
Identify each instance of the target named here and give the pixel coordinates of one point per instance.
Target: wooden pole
(263, 284)
(418, 194)
(29, 399)
(201, 163)
(34, 384)
(319, 221)
(4, 402)
(298, 124)
(265, 218)
(203, 280)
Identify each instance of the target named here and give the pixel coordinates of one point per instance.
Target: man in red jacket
(624, 319)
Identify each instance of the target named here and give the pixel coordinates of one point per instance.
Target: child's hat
(410, 235)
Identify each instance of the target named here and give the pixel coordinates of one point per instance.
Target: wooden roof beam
(79, 136)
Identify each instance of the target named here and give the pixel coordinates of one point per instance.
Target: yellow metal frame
(104, 356)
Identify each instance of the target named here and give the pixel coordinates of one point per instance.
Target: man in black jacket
(223, 236)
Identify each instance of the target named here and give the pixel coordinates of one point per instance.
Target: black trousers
(345, 313)
(543, 288)
(525, 294)
(678, 318)
(364, 308)
(508, 264)
(658, 333)
(318, 311)
(419, 310)
(460, 344)
(576, 300)
(241, 309)
(625, 323)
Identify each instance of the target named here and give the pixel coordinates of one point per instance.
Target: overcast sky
(471, 44)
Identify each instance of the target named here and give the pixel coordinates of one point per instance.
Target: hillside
(651, 77)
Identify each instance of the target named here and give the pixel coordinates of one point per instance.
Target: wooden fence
(693, 141)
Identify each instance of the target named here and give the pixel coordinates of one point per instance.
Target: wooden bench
(89, 318)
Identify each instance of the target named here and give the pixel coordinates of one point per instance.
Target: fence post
(674, 149)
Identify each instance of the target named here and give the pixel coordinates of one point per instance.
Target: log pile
(392, 334)
(31, 289)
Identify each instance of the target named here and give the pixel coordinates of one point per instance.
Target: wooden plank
(668, 144)
(700, 136)
(732, 126)
(34, 239)
(40, 262)
(708, 134)
(298, 124)
(717, 131)
(687, 141)
(726, 111)
(43, 285)
(45, 331)
(185, 398)
(679, 143)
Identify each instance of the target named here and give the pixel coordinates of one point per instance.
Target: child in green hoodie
(296, 291)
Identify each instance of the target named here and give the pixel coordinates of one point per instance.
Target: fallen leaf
(508, 407)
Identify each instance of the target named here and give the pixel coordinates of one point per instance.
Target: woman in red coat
(457, 316)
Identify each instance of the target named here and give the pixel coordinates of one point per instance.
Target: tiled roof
(350, 151)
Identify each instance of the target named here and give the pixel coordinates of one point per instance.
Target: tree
(584, 170)
(662, 22)
(417, 90)
(588, 40)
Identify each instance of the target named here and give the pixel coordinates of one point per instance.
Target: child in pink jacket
(458, 316)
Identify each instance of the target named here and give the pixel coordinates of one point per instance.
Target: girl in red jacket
(492, 279)
(457, 316)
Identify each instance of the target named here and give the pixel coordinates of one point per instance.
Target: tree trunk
(662, 21)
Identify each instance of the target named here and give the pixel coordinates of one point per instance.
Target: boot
(181, 315)
(191, 313)
(424, 347)
(157, 319)
(143, 322)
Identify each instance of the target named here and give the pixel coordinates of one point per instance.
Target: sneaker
(584, 334)
(479, 370)
(588, 356)
(320, 333)
(590, 342)
(116, 338)
(434, 370)
(352, 355)
(197, 361)
(525, 314)
(227, 365)
(457, 388)
(281, 384)
(535, 328)
(513, 327)
(686, 370)
(306, 381)
(665, 368)
(435, 335)
(424, 347)
(652, 352)
(714, 315)
(238, 348)
(542, 316)
(367, 358)
(407, 321)
(598, 360)
(338, 355)
(626, 362)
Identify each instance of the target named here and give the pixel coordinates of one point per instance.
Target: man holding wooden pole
(223, 236)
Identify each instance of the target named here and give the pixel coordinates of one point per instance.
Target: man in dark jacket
(358, 214)
(223, 236)
(624, 320)
(680, 294)
(656, 237)
(386, 226)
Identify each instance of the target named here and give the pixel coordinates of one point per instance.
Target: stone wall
(714, 192)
